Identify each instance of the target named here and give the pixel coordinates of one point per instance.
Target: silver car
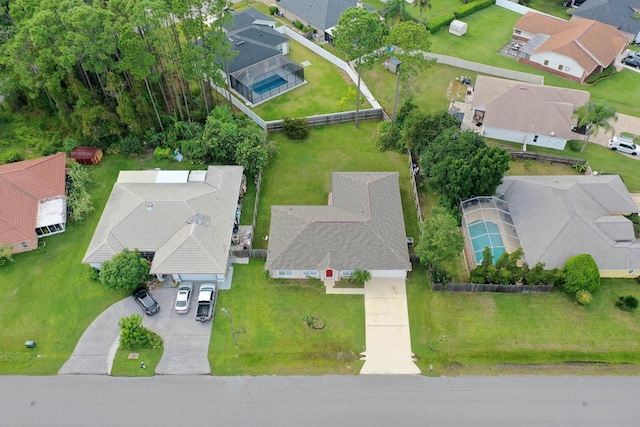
(183, 297)
(624, 144)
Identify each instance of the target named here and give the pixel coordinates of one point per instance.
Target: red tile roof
(22, 186)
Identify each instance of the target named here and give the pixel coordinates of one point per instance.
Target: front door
(328, 274)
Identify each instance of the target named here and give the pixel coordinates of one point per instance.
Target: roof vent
(149, 207)
(553, 133)
(524, 87)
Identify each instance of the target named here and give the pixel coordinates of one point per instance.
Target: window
(546, 62)
(567, 68)
(518, 32)
(347, 273)
(560, 67)
(310, 273)
(285, 273)
(535, 138)
(23, 244)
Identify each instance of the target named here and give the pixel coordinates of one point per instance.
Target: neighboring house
(526, 113)
(362, 228)
(181, 221)
(259, 71)
(33, 201)
(557, 217)
(622, 14)
(573, 49)
(322, 15)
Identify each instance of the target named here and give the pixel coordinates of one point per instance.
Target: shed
(87, 155)
(392, 64)
(458, 27)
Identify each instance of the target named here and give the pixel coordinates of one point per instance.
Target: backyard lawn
(264, 333)
(460, 333)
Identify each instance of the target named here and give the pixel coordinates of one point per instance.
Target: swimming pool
(483, 234)
(268, 84)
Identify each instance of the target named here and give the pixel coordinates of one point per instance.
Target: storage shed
(392, 64)
(87, 155)
(458, 27)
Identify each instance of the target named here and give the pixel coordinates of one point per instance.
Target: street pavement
(365, 400)
(186, 342)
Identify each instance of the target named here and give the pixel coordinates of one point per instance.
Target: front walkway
(388, 339)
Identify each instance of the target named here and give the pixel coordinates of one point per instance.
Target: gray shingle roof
(188, 224)
(249, 53)
(322, 14)
(363, 228)
(557, 217)
(618, 13)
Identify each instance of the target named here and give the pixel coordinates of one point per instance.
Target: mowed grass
(326, 90)
(300, 171)
(456, 331)
(125, 367)
(272, 339)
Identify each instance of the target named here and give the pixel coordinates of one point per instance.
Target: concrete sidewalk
(388, 339)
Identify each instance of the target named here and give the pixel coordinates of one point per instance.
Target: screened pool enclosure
(267, 79)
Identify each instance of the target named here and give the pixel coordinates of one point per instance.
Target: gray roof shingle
(362, 229)
(322, 14)
(618, 13)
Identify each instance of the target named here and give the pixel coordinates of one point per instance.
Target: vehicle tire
(614, 149)
(633, 154)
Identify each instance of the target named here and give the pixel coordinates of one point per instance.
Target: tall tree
(411, 41)
(595, 116)
(358, 34)
(440, 239)
(397, 11)
(423, 5)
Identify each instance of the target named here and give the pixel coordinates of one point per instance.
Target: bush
(125, 270)
(296, 128)
(604, 74)
(5, 255)
(580, 167)
(273, 10)
(581, 272)
(161, 153)
(628, 303)
(438, 23)
(299, 25)
(575, 145)
(584, 297)
(360, 277)
(12, 156)
(131, 145)
(439, 275)
(469, 8)
(134, 336)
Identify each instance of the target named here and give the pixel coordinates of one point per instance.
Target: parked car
(183, 297)
(146, 301)
(632, 61)
(624, 144)
(207, 302)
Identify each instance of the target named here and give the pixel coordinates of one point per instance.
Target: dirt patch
(456, 90)
(550, 369)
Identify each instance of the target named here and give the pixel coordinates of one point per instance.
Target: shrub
(131, 144)
(5, 254)
(161, 153)
(628, 303)
(581, 272)
(438, 23)
(580, 167)
(575, 145)
(360, 276)
(125, 270)
(12, 156)
(635, 220)
(604, 74)
(273, 10)
(296, 128)
(469, 8)
(299, 25)
(134, 336)
(439, 275)
(584, 297)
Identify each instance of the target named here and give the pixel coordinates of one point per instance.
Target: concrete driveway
(186, 342)
(625, 123)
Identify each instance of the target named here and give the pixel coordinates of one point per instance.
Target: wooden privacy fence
(250, 253)
(324, 119)
(546, 158)
(257, 202)
(491, 287)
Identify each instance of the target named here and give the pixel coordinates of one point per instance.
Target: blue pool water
(483, 234)
(268, 84)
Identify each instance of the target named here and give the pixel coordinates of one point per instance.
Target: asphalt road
(319, 401)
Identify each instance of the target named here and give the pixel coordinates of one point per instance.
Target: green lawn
(272, 338)
(456, 331)
(125, 367)
(300, 171)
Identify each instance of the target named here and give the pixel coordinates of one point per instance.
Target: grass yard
(125, 367)
(457, 331)
(300, 171)
(47, 295)
(326, 90)
(266, 317)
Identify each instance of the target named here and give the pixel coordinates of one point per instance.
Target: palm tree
(594, 117)
(422, 5)
(397, 11)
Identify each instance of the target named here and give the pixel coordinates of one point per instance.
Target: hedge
(474, 6)
(442, 21)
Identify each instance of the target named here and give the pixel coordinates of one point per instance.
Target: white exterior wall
(395, 274)
(337, 274)
(520, 137)
(199, 277)
(555, 60)
(283, 47)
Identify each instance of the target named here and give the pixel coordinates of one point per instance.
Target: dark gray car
(146, 301)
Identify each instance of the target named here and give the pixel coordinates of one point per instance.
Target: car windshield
(181, 303)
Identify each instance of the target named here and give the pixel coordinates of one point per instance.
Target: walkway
(186, 342)
(388, 339)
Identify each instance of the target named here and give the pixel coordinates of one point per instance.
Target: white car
(183, 297)
(624, 144)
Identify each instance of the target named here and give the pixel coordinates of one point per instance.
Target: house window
(546, 62)
(535, 138)
(347, 273)
(567, 68)
(23, 244)
(310, 273)
(285, 273)
(560, 67)
(518, 32)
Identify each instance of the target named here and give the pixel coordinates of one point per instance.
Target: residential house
(33, 201)
(573, 49)
(525, 113)
(322, 15)
(362, 228)
(557, 217)
(181, 221)
(622, 14)
(260, 71)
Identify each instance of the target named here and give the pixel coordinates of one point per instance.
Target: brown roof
(588, 42)
(22, 186)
